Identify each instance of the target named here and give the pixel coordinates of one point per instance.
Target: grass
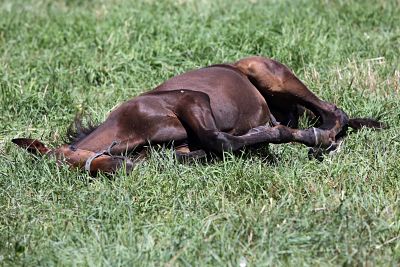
(58, 58)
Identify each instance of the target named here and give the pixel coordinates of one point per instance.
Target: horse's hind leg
(283, 91)
(195, 112)
(282, 134)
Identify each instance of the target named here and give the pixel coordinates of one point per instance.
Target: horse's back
(235, 102)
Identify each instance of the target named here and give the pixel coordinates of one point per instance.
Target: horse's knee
(333, 118)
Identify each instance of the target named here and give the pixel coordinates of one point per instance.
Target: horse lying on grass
(219, 108)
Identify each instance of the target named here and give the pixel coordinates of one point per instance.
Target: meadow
(59, 58)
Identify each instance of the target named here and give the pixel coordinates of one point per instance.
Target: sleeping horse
(223, 107)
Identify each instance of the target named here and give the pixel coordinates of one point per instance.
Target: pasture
(59, 58)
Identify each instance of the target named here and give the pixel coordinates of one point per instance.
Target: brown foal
(219, 108)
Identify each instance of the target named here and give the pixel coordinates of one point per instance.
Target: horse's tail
(33, 146)
(358, 123)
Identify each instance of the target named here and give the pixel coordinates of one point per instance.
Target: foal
(222, 107)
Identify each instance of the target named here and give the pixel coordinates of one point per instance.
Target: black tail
(358, 123)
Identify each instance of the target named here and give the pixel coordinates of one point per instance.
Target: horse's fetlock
(323, 138)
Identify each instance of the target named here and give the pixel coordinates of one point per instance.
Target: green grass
(58, 58)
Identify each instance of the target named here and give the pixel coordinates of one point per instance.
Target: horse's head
(79, 158)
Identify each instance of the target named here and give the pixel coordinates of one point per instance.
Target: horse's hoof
(191, 156)
(335, 148)
(316, 153)
(129, 165)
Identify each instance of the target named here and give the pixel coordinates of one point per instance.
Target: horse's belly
(237, 118)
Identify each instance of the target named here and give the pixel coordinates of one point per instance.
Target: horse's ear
(33, 146)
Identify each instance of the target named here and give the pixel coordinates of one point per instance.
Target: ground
(59, 58)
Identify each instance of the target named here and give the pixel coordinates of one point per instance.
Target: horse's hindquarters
(236, 104)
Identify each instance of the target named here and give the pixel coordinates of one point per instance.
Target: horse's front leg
(284, 92)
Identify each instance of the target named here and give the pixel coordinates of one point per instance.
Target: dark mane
(78, 130)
